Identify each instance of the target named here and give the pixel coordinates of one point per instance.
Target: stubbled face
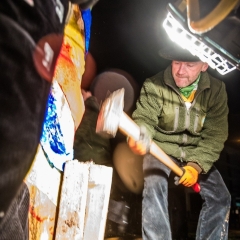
(185, 73)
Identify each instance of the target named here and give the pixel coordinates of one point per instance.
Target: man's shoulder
(215, 87)
(214, 79)
(214, 82)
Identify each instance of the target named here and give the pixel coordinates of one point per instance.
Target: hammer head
(110, 114)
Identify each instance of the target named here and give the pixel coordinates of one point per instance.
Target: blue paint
(51, 128)
(87, 19)
(55, 143)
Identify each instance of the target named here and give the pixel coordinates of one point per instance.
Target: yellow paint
(71, 64)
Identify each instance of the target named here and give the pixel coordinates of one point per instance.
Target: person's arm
(214, 133)
(148, 107)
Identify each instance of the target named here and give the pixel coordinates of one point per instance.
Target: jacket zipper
(187, 122)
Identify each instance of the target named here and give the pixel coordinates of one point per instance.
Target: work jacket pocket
(197, 121)
(169, 119)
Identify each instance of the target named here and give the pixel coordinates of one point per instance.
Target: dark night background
(127, 34)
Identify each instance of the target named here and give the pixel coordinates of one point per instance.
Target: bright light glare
(187, 41)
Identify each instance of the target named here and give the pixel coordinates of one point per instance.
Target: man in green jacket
(184, 111)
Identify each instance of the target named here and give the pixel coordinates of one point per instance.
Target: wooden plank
(99, 185)
(43, 183)
(42, 214)
(73, 201)
(46, 178)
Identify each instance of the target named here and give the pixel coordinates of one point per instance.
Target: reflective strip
(184, 138)
(187, 120)
(59, 10)
(196, 121)
(176, 120)
(183, 155)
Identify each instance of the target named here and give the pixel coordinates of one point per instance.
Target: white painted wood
(44, 184)
(44, 177)
(99, 185)
(72, 205)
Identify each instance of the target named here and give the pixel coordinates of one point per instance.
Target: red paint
(34, 215)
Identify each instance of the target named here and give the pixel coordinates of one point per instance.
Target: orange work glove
(142, 146)
(189, 177)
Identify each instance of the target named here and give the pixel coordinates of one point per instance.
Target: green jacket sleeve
(148, 106)
(214, 133)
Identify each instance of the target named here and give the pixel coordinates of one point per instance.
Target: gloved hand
(189, 177)
(142, 146)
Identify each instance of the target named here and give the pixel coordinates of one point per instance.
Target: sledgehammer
(112, 117)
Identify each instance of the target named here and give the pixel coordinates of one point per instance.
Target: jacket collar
(204, 81)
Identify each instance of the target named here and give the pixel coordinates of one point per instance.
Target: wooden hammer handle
(129, 128)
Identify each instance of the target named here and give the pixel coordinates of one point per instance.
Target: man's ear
(204, 67)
